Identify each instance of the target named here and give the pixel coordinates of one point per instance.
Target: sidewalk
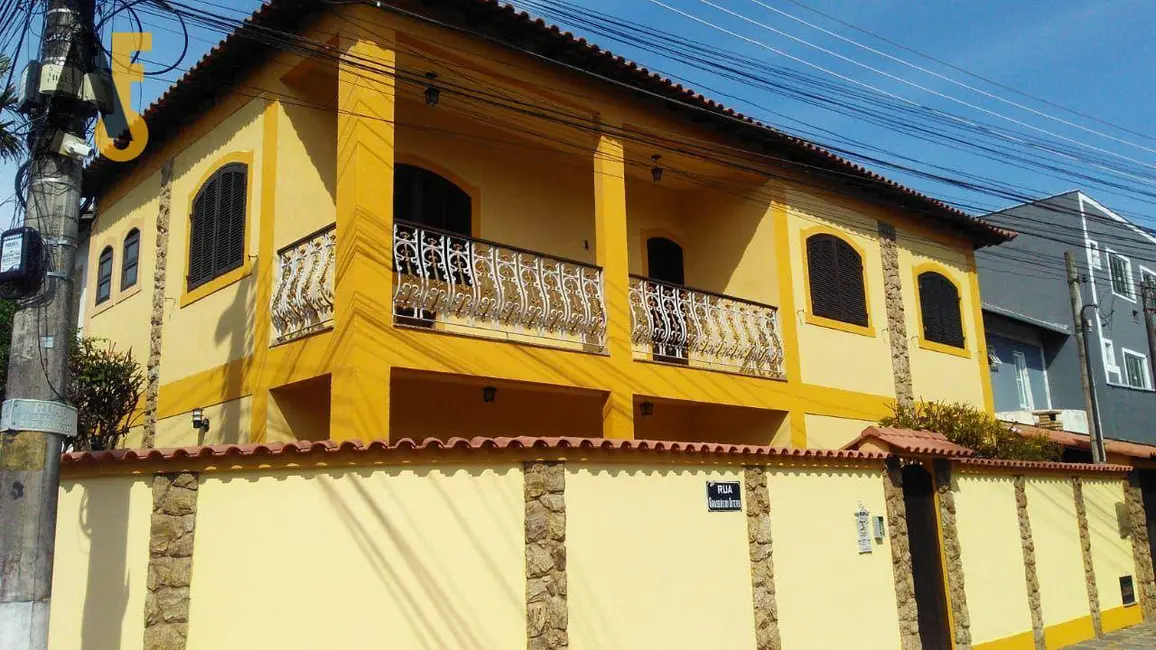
(1137, 637)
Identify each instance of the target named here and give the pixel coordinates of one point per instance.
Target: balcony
(454, 283)
(302, 300)
(675, 324)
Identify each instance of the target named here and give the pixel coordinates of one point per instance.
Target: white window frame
(1128, 280)
(1023, 381)
(1094, 254)
(1145, 373)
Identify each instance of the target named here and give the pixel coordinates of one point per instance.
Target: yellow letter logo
(124, 74)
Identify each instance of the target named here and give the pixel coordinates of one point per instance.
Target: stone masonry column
(1141, 551)
(896, 317)
(960, 617)
(157, 316)
(766, 610)
(363, 284)
(1086, 550)
(901, 565)
(547, 610)
(613, 256)
(170, 567)
(1030, 573)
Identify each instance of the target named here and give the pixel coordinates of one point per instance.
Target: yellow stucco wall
(1059, 560)
(649, 567)
(420, 557)
(819, 572)
(306, 172)
(938, 375)
(1111, 550)
(992, 556)
(102, 547)
(826, 432)
(825, 352)
(228, 424)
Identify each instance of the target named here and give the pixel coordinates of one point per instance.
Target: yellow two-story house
(448, 219)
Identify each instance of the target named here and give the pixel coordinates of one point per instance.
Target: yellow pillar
(363, 285)
(612, 255)
(262, 320)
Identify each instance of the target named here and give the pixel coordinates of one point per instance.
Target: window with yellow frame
(836, 282)
(940, 311)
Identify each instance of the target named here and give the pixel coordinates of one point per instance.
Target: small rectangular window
(1135, 369)
(1121, 269)
(1023, 382)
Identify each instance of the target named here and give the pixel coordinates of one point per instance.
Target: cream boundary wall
(1059, 558)
(993, 561)
(829, 595)
(1111, 552)
(828, 432)
(102, 554)
(938, 376)
(649, 566)
(415, 557)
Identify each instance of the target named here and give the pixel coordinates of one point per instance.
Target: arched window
(131, 259)
(104, 275)
(940, 310)
(835, 275)
(424, 198)
(217, 236)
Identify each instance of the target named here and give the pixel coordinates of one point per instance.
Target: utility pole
(1083, 330)
(1148, 291)
(36, 417)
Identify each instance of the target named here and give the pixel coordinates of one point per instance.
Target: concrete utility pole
(36, 416)
(1148, 291)
(1083, 329)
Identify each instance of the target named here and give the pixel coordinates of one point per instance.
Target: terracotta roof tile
(433, 445)
(243, 50)
(1075, 440)
(912, 441)
(1044, 465)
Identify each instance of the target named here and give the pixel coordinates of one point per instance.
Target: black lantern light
(200, 422)
(646, 408)
(489, 393)
(656, 171)
(432, 92)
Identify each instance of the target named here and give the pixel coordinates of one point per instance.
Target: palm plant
(11, 145)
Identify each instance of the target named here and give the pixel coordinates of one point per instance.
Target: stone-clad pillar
(766, 610)
(157, 317)
(170, 567)
(960, 617)
(896, 317)
(1029, 550)
(547, 617)
(1141, 551)
(901, 565)
(1086, 549)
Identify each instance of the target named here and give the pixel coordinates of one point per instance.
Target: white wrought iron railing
(303, 299)
(493, 289)
(682, 325)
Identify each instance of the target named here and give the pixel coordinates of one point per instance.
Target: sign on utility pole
(38, 258)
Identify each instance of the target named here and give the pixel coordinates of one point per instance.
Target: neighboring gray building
(1028, 316)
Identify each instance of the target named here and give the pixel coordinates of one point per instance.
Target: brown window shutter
(201, 235)
(835, 275)
(940, 310)
(217, 233)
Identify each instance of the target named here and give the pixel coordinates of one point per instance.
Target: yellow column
(980, 334)
(611, 251)
(262, 320)
(364, 282)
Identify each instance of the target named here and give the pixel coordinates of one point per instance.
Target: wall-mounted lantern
(646, 408)
(489, 394)
(200, 422)
(432, 93)
(656, 171)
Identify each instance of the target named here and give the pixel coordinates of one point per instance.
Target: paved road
(1137, 637)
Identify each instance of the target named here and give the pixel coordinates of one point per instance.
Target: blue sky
(1094, 57)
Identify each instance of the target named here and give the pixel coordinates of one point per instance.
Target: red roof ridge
(912, 441)
(328, 447)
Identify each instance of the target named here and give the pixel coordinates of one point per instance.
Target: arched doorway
(428, 203)
(664, 263)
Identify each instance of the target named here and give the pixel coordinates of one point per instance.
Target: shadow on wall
(234, 334)
(104, 524)
(393, 545)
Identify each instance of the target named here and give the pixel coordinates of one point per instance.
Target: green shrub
(104, 385)
(974, 428)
